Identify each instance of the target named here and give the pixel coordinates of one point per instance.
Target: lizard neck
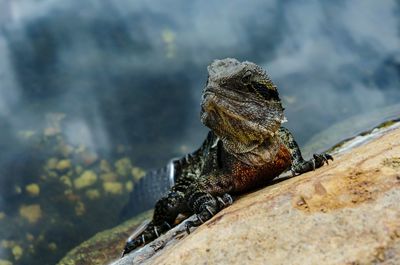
(256, 153)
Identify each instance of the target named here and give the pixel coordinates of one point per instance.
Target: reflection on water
(90, 92)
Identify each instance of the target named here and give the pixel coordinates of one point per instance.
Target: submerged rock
(56, 197)
(32, 213)
(87, 179)
(344, 213)
(33, 189)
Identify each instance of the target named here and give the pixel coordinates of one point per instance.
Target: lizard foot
(317, 161)
(147, 234)
(208, 208)
(320, 159)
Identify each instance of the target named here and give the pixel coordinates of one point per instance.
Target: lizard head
(240, 104)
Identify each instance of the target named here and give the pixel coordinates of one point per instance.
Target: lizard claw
(195, 223)
(225, 200)
(208, 209)
(313, 163)
(132, 244)
(317, 161)
(320, 159)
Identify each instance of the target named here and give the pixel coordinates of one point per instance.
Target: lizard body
(245, 149)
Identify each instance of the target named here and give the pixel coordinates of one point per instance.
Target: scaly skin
(246, 148)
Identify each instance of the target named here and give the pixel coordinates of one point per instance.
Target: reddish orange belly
(247, 177)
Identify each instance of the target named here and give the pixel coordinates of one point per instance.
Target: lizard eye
(263, 91)
(246, 78)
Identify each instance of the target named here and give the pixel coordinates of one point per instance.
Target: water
(93, 92)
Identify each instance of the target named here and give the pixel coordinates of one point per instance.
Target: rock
(17, 252)
(105, 246)
(93, 194)
(137, 173)
(32, 189)
(350, 127)
(32, 213)
(64, 164)
(344, 213)
(128, 186)
(87, 179)
(123, 166)
(113, 187)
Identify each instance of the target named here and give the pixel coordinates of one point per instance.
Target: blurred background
(94, 93)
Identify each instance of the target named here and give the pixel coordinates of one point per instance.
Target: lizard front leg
(303, 166)
(165, 213)
(299, 165)
(204, 204)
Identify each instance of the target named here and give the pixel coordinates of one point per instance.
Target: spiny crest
(224, 68)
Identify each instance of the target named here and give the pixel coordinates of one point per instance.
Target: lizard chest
(244, 177)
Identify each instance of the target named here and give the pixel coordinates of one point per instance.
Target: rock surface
(344, 213)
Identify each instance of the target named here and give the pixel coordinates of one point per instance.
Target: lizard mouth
(240, 119)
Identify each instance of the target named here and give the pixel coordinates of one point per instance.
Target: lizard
(245, 149)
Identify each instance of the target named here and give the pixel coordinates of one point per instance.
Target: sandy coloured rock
(344, 213)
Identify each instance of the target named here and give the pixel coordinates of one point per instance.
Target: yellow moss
(107, 177)
(87, 179)
(93, 194)
(64, 164)
(112, 187)
(105, 166)
(137, 173)
(123, 166)
(2, 215)
(129, 186)
(52, 246)
(52, 163)
(66, 181)
(33, 189)
(32, 213)
(5, 262)
(80, 209)
(17, 252)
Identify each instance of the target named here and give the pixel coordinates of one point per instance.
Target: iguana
(246, 148)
